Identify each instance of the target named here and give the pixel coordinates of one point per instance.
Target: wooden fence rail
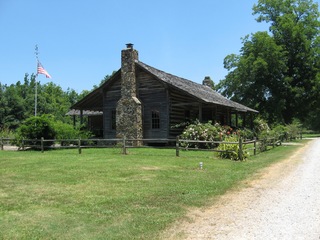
(241, 144)
(124, 143)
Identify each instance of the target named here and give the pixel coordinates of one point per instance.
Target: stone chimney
(129, 113)
(208, 82)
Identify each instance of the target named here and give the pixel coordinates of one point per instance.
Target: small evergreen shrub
(294, 129)
(232, 150)
(66, 131)
(280, 132)
(6, 133)
(37, 127)
(245, 133)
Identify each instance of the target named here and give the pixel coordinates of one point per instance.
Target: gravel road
(282, 202)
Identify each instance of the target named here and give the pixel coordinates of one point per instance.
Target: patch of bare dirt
(10, 148)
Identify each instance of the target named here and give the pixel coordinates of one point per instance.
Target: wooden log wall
(182, 108)
(153, 95)
(111, 97)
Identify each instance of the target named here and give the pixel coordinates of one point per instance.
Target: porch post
(237, 123)
(81, 116)
(251, 120)
(216, 119)
(244, 120)
(200, 112)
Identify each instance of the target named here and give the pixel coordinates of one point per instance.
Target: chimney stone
(129, 111)
(129, 45)
(208, 82)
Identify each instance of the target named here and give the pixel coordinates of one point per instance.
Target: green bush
(37, 127)
(294, 129)
(246, 133)
(280, 132)
(232, 151)
(6, 133)
(47, 127)
(67, 131)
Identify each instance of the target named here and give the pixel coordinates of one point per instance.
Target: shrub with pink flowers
(213, 132)
(206, 132)
(201, 132)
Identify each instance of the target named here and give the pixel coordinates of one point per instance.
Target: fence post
(22, 143)
(124, 149)
(240, 149)
(79, 146)
(1, 143)
(255, 146)
(177, 147)
(42, 147)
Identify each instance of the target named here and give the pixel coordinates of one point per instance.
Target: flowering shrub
(245, 133)
(206, 132)
(260, 125)
(202, 132)
(226, 131)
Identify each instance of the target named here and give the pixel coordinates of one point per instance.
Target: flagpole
(36, 97)
(36, 84)
(40, 70)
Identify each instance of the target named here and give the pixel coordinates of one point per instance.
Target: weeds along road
(283, 202)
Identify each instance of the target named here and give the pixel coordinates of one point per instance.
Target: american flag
(41, 70)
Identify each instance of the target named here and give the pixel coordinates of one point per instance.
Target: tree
(17, 101)
(2, 106)
(256, 76)
(13, 108)
(278, 73)
(295, 27)
(53, 100)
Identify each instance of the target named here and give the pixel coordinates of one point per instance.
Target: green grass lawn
(102, 194)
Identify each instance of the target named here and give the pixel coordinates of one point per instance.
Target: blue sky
(80, 41)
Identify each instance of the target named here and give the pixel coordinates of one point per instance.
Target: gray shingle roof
(199, 91)
(74, 112)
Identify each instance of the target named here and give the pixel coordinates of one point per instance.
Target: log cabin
(140, 101)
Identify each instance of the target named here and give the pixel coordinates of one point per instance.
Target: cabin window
(113, 119)
(155, 118)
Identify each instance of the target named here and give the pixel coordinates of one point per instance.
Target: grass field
(102, 194)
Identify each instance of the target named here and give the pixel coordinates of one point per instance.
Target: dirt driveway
(283, 202)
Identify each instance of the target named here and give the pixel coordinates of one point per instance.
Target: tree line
(278, 71)
(17, 101)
